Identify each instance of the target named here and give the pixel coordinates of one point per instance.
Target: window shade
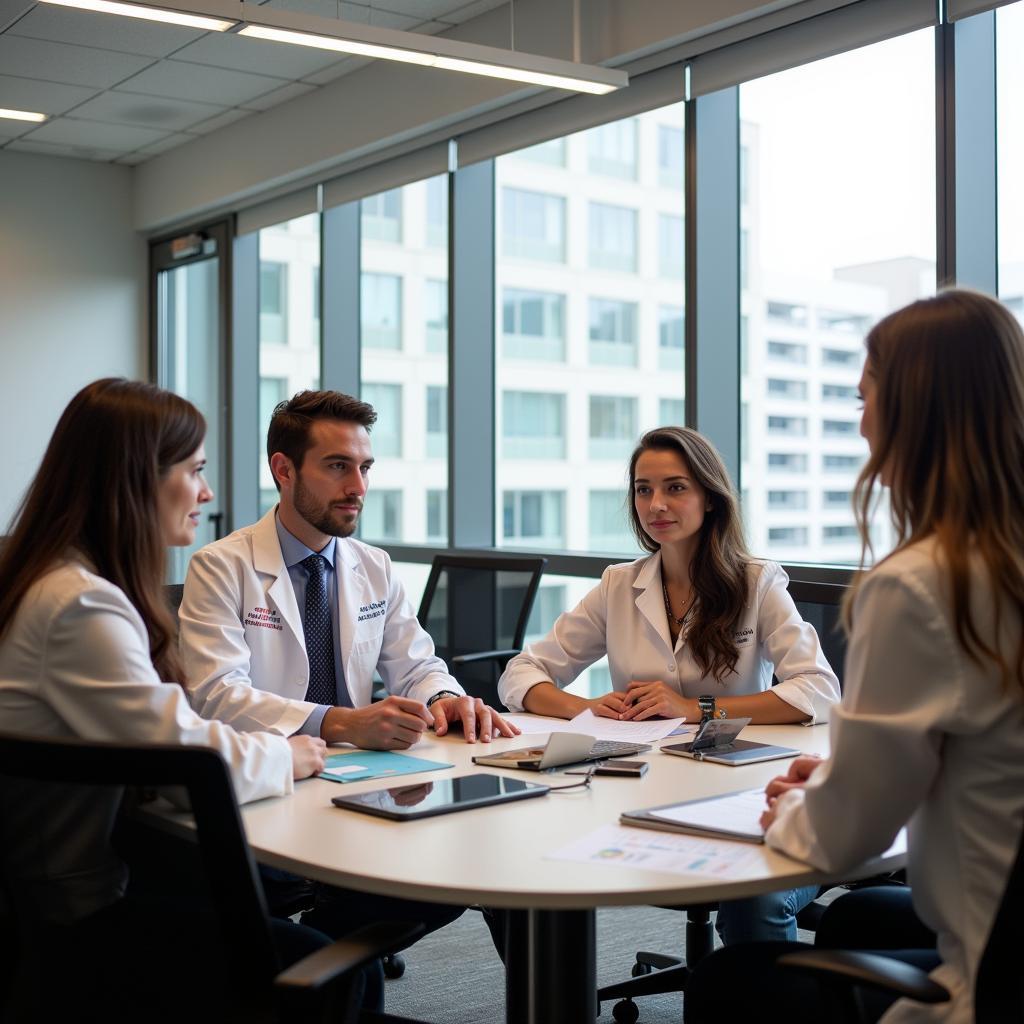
(956, 9)
(368, 181)
(276, 211)
(860, 24)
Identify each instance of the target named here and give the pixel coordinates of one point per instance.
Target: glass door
(189, 302)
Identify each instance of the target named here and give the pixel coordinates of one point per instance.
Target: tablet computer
(424, 799)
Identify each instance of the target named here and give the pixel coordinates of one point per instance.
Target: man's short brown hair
(289, 431)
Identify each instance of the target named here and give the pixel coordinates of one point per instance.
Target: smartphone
(628, 769)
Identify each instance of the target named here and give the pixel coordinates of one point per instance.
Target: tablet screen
(420, 800)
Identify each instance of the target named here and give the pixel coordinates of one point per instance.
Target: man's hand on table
(473, 715)
(395, 723)
(308, 753)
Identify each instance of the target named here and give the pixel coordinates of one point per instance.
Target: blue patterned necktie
(319, 634)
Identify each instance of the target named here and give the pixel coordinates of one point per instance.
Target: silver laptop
(562, 748)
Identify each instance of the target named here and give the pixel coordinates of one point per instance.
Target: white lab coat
(242, 641)
(624, 617)
(923, 735)
(75, 663)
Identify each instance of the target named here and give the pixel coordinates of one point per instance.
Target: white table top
(496, 855)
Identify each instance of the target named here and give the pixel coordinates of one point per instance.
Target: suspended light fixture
(291, 27)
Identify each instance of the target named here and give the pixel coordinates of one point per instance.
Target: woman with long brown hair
(696, 628)
(930, 732)
(88, 650)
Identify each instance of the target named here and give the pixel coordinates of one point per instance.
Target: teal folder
(359, 765)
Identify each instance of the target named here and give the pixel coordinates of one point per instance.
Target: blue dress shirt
(294, 552)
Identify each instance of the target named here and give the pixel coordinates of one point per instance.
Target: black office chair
(317, 987)
(998, 988)
(476, 608)
(659, 973)
(173, 593)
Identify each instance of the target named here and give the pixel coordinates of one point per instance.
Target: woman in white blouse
(87, 650)
(696, 627)
(930, 732)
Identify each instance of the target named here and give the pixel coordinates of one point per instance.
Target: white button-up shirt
(624, 617)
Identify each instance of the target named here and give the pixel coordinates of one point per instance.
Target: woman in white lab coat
(930, 732)
(87, 650)
(696, 628)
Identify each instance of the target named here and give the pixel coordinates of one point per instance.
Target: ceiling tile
(72, 132)
(105, 31)
(200, 82)
(256, 55)
(132, 159)
(336, 70)
(220, 121)
(71, 65)
(464, 12)
(171, 142)
(146, 111)
(79, 152)
(12, 10)
(282, 95)
(423, 10)
(44, 97)
(361, 13)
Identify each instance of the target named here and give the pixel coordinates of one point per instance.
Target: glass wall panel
(589, 322)
(289, 350)
(1010, 154)
(404, 360)
(837, 214)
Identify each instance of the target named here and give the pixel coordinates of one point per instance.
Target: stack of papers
(589, 724)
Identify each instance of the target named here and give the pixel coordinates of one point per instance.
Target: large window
(1010, 154)
(404, 360)
(590, 338)
(838, 218)
(533, 519)
(289, 343)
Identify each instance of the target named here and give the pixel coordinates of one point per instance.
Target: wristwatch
(709, 709)
(440, 695)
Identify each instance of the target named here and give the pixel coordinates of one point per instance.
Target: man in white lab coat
(283, 624)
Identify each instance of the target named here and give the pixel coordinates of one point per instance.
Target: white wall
(72, 298)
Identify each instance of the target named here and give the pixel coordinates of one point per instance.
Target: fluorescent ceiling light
(148, 14)
(473, 67)
(278, 35)
(21, 115)
(427, 51)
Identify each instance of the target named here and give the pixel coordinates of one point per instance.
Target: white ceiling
(123, 90)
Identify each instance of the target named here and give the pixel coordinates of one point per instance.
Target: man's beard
(323, 517)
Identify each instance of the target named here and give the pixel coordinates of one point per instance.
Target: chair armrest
(466, 659)
(345, 955)
(869, 970)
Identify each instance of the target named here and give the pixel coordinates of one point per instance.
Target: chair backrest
(999, 985)
(820, 605)
(235, 892)
(477, 603)
(173, 592)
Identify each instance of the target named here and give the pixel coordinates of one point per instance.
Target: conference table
(500, 856)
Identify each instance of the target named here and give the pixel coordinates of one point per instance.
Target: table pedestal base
(551, 977)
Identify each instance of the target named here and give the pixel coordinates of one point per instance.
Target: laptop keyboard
(615, 748)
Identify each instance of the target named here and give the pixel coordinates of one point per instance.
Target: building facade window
(435, 301)
(381, 216)
(613, 332)
(533, 226)
(380, 309)
(381, 518)
(437, 421)
(612, 150)
(533, 425)
(533, 325)
(613, 426)
(387, 431)
(534, 518)
(612, 237)
(670, 246)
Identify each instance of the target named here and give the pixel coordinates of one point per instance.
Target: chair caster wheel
(394, 965)
(625, 1012)
(639, 969)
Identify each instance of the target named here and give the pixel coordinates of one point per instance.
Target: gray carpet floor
(455, 977)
